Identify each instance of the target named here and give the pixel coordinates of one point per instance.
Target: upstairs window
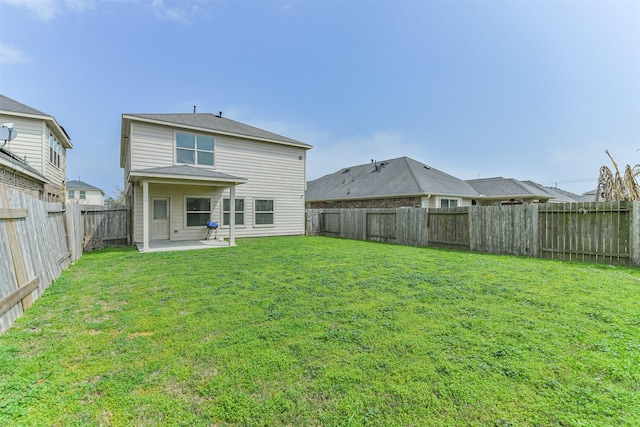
(72, 194)
(83, 195)
(194, 149)
(55, 151)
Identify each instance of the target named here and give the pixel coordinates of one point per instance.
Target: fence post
(634, 239)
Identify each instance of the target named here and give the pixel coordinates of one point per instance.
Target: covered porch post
(145, 215)
(232, 215)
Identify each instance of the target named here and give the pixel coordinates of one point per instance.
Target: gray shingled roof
(7, 155)
(391, 178)
(81, 185)
(499, 187)
(8, 104)
(218, 124)
(187, 171)
(559, 195)
(11, 105)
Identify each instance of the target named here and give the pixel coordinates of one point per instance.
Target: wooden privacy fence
(37, 241)
(106, 227)
(591, 232)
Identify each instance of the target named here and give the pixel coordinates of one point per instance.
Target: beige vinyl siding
(151, 146)
(29, 141)
(274, 172)
(92, 197)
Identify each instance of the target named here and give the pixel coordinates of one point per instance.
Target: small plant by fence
(591, 232)
(37, 241)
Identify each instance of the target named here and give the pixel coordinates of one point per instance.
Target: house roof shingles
(498, 187)
(11, 105)
(562, 196)
(217, 123)
(11, 158)
(81, 185)
(389, 178)
(14, 107)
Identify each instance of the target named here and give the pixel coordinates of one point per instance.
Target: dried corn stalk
(613, 187)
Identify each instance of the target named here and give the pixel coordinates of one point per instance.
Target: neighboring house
(184, 170)
(404, 182)
(15, 173)
(41, 144)
(401, 182)
(84, 194)
(561, 196)
(507, 191)
(589, 196)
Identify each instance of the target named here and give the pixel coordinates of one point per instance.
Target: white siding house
(184, 170)
(41, 144)
(84, 194)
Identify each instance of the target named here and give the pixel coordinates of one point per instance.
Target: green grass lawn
(310, 331)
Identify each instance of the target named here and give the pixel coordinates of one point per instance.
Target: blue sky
(520, 89)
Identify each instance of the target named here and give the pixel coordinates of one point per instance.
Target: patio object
(212, 226)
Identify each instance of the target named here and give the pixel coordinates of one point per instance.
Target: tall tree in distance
(618, 187)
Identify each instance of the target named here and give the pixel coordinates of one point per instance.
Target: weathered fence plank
(590, 232)
(449, 228)
(18, 295)
(380, 224)
(106, 227)
(33, 245)
(593, 232)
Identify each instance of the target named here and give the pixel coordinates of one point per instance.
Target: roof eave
(50, 120)
(178, 177)
(217, 132)
(516, 196)
(392, 196)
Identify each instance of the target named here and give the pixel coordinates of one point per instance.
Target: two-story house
(182, 171)
(84, 194)
(37, 154)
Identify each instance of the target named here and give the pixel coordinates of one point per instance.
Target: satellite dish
(7, 133)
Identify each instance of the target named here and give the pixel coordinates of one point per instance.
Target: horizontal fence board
(13, 213)
(17, 295)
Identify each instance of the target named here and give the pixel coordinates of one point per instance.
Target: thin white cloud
(10, 55)
(47, 10)
(178, 14)
(43, 9)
